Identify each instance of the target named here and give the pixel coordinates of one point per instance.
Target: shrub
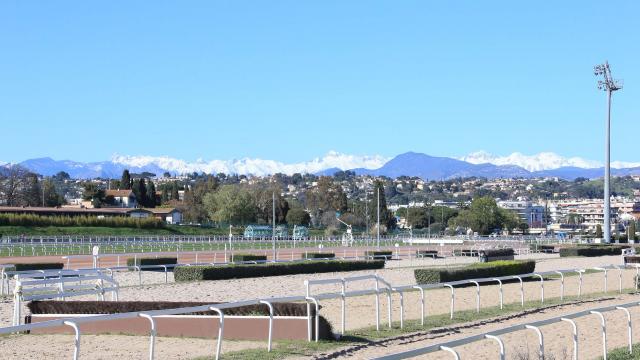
(247, 257)
(38, 266)
(152, 261)
(465, 252)
(496, 254)
(378, 254)
(474, 271)
(590, 251)
(191, 273)
(318, 256)
(426, 253)
(80, 220)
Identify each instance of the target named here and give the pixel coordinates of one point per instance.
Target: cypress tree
(125, 182)
(151, 194)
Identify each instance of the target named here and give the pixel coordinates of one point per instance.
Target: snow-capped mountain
(481, 164)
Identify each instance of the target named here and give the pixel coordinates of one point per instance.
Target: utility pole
(609, 85)
(378, 227)
(273, 229)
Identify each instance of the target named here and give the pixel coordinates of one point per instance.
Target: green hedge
(318, 256)
(498, 252)
(191, 273)
(152, 261)
(80, 220)
(475, 271)
(37, 266)
(247, 257)
(590, 251)
(427, 253)
(378, 254)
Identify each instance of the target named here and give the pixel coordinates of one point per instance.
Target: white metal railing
(308, 298)
(61, 285)
(535, 326)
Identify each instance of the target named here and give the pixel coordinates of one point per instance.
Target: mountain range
(408, 164)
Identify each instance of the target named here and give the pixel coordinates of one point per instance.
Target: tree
(51, 196)
(62, 176)
(192, 207)
(175, 194)
(151, 195)
(231, 204)
(298, 216)
(166, 174)
(598, 231)
(94, 194)
(125, 182)
(32, 192)
(139, 188)
(386, 217)
(631, 230)
(484, 217)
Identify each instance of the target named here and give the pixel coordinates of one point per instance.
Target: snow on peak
(537, 162)
(332, 159)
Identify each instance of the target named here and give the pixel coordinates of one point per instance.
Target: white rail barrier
(535, 326)
(315, 300)
(60, 285)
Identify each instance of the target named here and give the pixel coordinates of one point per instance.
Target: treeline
(20, 187)
(83, 220)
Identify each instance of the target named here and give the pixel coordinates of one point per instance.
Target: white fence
(60, 284)
(535, 326)
(314, 300)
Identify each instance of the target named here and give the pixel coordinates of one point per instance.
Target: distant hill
(407, 164)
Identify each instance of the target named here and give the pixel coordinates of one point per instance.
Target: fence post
(603, 324)
(521, 290)
(575, 337)
(541, 287)
(76, 350)
(344, 305)
(500, 343)
(540, 340)
(453, 352)
(580, 271)
(270, 323)
(477, 295)
(152, 339)
(453, 298)
(629, 327)
(220, 331)
(561, 284)
(500, 291)
(421, 304)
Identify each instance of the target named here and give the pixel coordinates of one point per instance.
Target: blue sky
(292, 80)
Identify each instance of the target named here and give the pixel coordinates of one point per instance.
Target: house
(168, 215)
(122, 198)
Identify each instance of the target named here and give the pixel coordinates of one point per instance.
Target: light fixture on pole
(609, 85)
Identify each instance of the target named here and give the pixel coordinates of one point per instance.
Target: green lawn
(112, 231)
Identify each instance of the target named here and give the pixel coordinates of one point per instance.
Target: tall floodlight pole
(378, 227)
(273, 229)
(609, 85)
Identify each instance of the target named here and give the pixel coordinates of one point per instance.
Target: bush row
(192, 273)
(152, 261)
(497, 252)
(378, 254)
(590, 251)
(36, 266)
(475, 271)
(81, 220)
(247, 257)
(319, 256)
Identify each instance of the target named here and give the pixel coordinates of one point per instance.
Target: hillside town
(542, 205)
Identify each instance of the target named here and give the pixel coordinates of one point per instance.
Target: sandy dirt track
(359, 314)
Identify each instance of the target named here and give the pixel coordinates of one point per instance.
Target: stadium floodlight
(609, 85)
